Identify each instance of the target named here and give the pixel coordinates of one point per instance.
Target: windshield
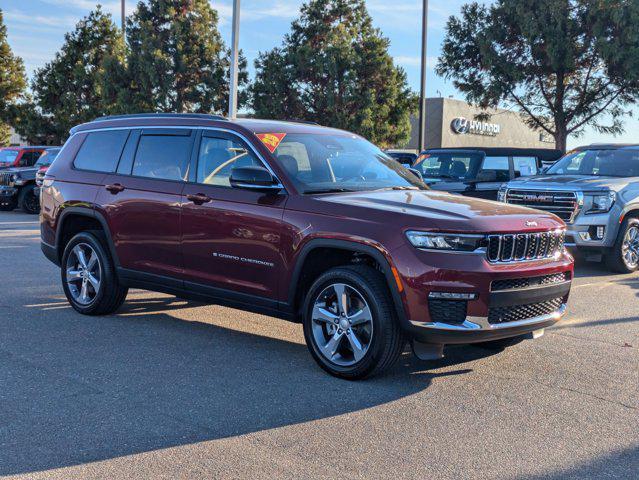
(449, 165)
(8, 156)
(318, 163)
(47, 157)
(601, 163)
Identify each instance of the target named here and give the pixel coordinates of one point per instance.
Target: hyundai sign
(463, 126)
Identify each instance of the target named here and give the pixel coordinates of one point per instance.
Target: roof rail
(203, 116)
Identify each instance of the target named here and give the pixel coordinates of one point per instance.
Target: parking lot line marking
(13, 246)
(19, 223)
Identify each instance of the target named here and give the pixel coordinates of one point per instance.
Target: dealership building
(454, 123)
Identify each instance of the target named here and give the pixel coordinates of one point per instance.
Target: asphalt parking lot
(173, 389)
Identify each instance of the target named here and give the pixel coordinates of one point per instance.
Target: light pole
(422, 91)
(235, 37)
(123, 16)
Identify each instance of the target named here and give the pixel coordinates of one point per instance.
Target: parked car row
(20, 170)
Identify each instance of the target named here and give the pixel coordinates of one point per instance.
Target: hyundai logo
(460, 125)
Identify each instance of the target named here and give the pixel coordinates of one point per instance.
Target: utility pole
(422, 91)
(123, 16)
(235, 37)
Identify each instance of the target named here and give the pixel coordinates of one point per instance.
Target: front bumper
(498, 310)
(8, 191)
(581, 233)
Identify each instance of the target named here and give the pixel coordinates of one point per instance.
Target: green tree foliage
(68, 90)
(177, 60)
(12, 82)
(564, 64)
(334, 68)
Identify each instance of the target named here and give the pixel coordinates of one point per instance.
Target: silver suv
(595, 190)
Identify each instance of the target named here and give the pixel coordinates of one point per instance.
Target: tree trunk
(561, 139)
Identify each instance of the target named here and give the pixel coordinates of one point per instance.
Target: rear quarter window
(101, 151)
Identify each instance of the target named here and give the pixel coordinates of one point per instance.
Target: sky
(36, 31)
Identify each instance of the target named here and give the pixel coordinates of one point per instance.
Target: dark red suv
(301, 222)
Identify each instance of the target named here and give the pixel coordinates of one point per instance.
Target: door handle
(115, 188)
(198, 198)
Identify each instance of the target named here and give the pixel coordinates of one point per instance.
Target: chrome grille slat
(563, 204)
(524, 246)
(5, 179)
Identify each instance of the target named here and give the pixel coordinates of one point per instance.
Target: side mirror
(254, 178)
(486, 176)
(417, 173)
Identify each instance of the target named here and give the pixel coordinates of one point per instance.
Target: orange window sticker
(271, 140)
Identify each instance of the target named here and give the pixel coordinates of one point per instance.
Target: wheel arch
(351, 248)
(68, 215)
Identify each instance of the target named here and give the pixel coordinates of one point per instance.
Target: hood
(570, 182)
(413, 209)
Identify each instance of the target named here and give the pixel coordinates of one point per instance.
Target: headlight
(445, 241)
(501, 194)
(600, 203)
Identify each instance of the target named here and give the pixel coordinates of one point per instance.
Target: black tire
(387, 341)
(615, 258)
(28, 200)
(110, 295)
(500, 344)
(9, 205)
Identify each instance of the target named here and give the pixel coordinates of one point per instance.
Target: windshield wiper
(329, 190)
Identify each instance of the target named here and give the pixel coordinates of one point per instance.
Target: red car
(301, 222)
(19, 156)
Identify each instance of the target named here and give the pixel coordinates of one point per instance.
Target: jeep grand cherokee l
(301, 222)
(595, 190)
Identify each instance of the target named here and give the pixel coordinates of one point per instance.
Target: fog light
(600, 232)
(585, 236)
(452, 296)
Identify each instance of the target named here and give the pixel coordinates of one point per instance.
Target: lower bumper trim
(478, 324)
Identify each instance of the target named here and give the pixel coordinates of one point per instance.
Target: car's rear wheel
(350, 325)
(624, 257)
(28, 200)
(88, 278)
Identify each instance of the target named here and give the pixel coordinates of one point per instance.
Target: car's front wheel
(624, 257)
(88, 278)
(350, 325)
(29, 200)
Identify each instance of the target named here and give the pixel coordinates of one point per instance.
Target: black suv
(480, 172)
(18, 184)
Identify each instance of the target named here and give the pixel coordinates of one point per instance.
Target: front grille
(523, 312)
(516, 283)
(5, 179)
(524, 246)
(447, 311)
(562, 204)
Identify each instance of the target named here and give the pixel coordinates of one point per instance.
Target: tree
(177, 61)
(564, 64)
(12, 81)
(69, 89)
(334, 68)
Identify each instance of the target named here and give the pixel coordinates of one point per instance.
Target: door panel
(144, 211)
(230, 237)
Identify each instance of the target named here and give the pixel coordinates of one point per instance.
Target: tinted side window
(218, 156)
(525, 166)
(164, 157)
(499, 165)
(101, 151)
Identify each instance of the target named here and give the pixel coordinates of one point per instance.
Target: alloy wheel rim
(630, 247)
(83, 273)
(342, 324)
